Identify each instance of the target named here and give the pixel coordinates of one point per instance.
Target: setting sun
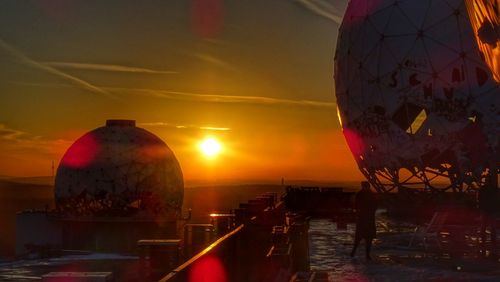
(210, 147)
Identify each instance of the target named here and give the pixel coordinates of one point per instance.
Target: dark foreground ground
(37, 193)
(393, 259)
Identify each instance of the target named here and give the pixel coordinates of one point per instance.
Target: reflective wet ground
(392, 259)
(329, 251)
(124, 268)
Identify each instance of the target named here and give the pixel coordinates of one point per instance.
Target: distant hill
(288, 182)
(35, 180)
(305, 182)
(49, 180)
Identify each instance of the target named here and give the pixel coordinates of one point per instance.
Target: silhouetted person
(487, 201)
(365, 205)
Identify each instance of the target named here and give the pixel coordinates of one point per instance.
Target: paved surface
(392, 259)
(124, 268)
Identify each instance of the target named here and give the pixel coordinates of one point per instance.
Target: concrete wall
(118, 235)
(34, 227)
(113, 236)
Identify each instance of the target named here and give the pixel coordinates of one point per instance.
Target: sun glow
(210, 147)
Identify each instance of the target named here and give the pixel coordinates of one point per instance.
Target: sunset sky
(254, 74)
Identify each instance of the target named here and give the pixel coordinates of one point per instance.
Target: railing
(240, 255)
(180, 273)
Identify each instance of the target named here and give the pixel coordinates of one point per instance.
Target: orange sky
(261, 70)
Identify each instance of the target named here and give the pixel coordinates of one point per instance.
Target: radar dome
(116, 170)
(418, 104)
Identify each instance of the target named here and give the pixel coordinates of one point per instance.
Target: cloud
(48, 69)
(13, 140)
(214, 60)
(213, 98)
(166, 124)
(197, 97)
(37, 84)
(25, 154)
(9, 133)
(17, 136)
(322, 8)
(215, 128)
(104, 67)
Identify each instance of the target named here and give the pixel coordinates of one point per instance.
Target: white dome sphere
(117, 170)
(417, 103)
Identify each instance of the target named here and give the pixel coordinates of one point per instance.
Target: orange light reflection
(485, 20)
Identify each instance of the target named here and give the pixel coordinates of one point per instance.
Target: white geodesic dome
(119, 170)
(417, 103)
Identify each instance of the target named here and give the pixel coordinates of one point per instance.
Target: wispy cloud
(37, 84)
(14, 140)
(196, 97)
(215, 128)
(322, 8)
(214, 98)
(178, 126)
(10, 134)
(216, 41)
(105, 67)
(22, 58)
(214, 61)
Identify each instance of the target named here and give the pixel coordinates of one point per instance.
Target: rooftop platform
(394, 260)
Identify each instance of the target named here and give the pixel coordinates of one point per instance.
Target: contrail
(199, 97)
(323, 9)
(104, 67)
(46, 68)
